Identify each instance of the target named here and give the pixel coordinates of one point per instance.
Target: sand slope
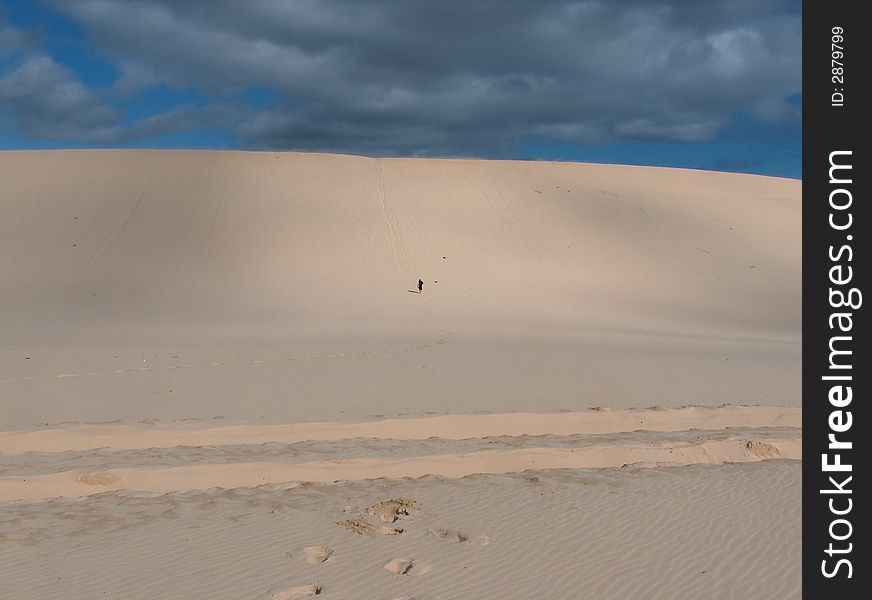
(169, 285)
(217, 379)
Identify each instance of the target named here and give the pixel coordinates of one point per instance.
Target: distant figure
(420, 286)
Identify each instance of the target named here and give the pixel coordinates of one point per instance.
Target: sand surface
(274, 287)
(209, 359)
(713, 531)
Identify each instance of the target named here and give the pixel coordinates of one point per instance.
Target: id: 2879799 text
(838, 67)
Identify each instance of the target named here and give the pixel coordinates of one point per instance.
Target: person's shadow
(414, 291)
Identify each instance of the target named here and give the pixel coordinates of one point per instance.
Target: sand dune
(217, 378)
(255, 286)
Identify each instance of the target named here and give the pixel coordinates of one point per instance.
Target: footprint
(385, 530)
(302, 591)
(449, 535)
(389, 511)
(317, 554)
(762, 449)
(400, 566)
(358, 526)
(407, 567)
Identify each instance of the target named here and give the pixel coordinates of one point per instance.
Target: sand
(209, 359)
(701, 531)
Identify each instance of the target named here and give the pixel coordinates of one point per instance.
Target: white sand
(181, 327)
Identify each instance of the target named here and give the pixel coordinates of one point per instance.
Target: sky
(704, 84)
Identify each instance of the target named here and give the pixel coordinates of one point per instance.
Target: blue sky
(708, 84)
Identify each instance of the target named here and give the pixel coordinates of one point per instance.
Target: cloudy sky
(712, 84)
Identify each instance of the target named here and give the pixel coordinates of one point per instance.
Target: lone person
(420, 286)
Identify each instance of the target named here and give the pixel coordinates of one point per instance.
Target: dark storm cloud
(457, 77)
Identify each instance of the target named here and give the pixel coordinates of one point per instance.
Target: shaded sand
(272, 288)
(704, 531)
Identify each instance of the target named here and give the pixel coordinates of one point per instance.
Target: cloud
(12, 40)
(47, 101)
(134, 78)
(44, 100)
(458, 76)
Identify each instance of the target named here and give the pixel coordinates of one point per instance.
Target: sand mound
(448, 535)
